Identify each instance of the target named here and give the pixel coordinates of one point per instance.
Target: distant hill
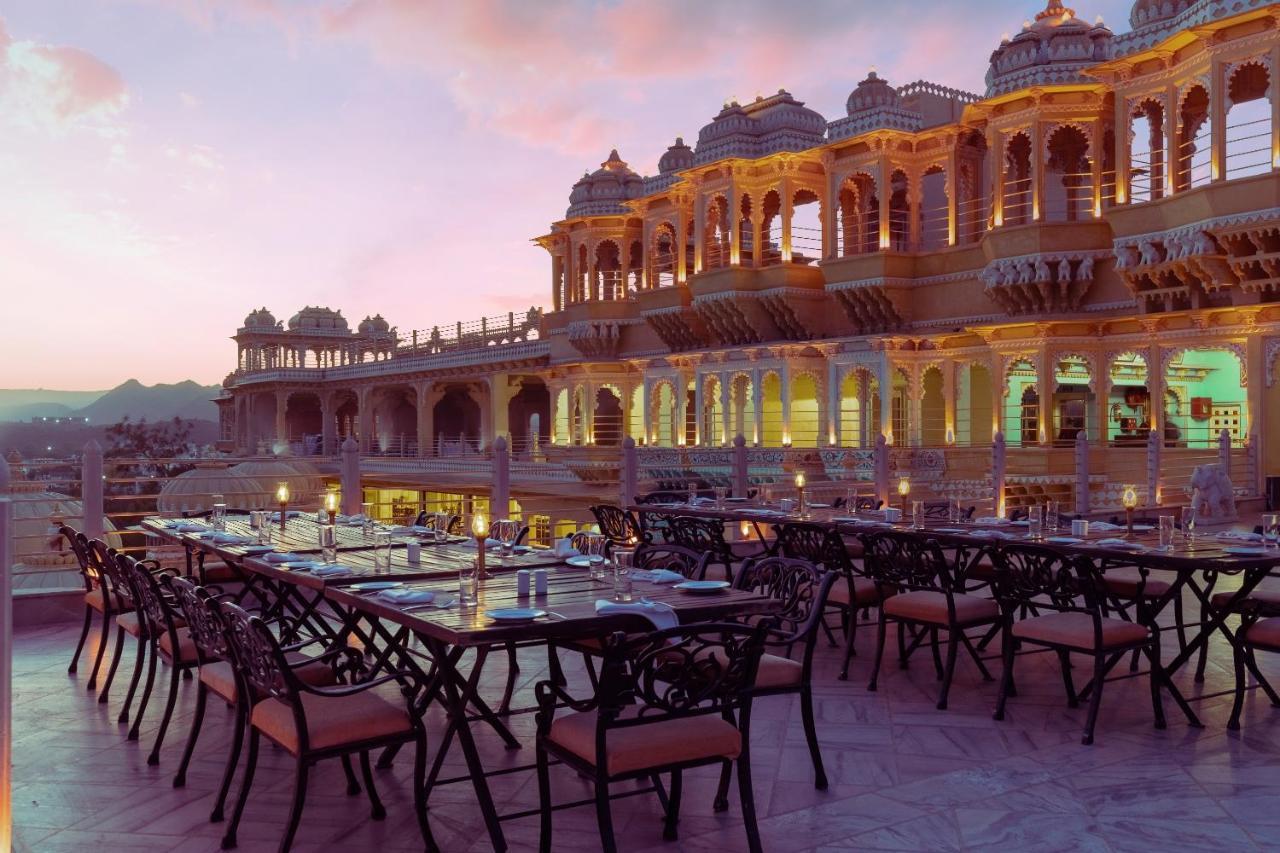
(20, 404)
(187, 400)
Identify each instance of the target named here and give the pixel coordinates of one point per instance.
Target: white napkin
(228, 538)
(656, 576)
(1240, 536)
(293, 513)
(411, 530)
(407, 596)
(1118, 543)
(660, 615)
(989, 520)
(187, 527)
(489, 544)
(328, 571)
(1104, 526)
(565, 549)
(278, 557)
(991, 534)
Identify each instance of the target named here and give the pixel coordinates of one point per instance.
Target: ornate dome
(1055, 48)
(260, 319)
(1148, 12)
(316, 319)
(764, 126)
(604, 190)
(191, 491)
(374, 325)
(871, 93)
(305, 483)
(678, 156)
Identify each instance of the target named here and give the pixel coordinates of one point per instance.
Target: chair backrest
(799, 587)
(428, 520)
(673, 558)
(618, 524)
(867, 503)
(519, 540)
(701, 535)
(79, 547)
(153, 605)
(203, 619)
(686, 671)
(904, 560)
(663, 498)
(938, 510)
(256, 655)
(117, 583)
(1046, 578)
(815, 544)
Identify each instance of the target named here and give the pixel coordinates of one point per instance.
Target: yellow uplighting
(799, 479)
(282, 493)
(1130, 497)
(904, 487)
(480, 526)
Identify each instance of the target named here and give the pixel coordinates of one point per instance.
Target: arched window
(806, 411)
(1068, 184)
(1017, 180)
(1022, 404)
(899, 211)
(806, 228)
(662, 414)
(935, 219)
(771, 410)
(1146, 151)
(608, 275)
(662, 266)
(859, 213)
(1195, 154)
(607, 417)
(716, 234)
(712, 413)
(746, 232)
(933, 416)
(1248, 122)
(973, 199)
(635, 269)
(771, 229)
(975, 420)
(1128, 401)
(742, 409)
(580, 275)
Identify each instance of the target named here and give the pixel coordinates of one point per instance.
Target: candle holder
(331, 506)
(1130, 501)
(904, 489)
(481, 531)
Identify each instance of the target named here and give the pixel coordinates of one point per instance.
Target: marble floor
(904, 776)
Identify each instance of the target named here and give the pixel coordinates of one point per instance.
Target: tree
(142, 440)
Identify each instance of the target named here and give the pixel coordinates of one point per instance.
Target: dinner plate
(1144, 528)
(515, 614)
(702, 587)
(374, 586)
(583, 561)
(1244, 550)
(950, 530)
(1064, 540)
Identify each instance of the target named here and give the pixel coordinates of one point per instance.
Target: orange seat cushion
(334, 720)
(219, 677)
(776, 671)
(636, 748)
(931, 607)
(94, 598)
(129, 622)
(1075, 631)
(1123, 583)
(865, 593)
(1265, 633)
(1268, 597)
(186, 646)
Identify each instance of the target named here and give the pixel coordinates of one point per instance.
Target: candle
(799, 479)
(904, 489)
(331, 505)
(282, 498)
(800, 502)
(1130, 500)
(480, 529)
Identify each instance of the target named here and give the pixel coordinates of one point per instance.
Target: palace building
(1090, 247)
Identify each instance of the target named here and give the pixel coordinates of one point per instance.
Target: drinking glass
(264, 532)
(917, 515)
(851, 501)
(693, 492)
(1188, 524)
(507, 529)
(954, 512)
(442, 526)
(329, 544)
(1166, 533)
(468, 582)
(622, 561)
(382, 553)
(255, 519)
(721, 494)
(1035, 523)
(1271, 529)
(219, 517)
(1051, 516)
(595, 552)
(366, 514)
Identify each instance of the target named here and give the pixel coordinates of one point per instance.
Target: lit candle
(480, 529)
(1130, 500)
(800, 503)
(904, 489)
(282, 498)
(331, 505)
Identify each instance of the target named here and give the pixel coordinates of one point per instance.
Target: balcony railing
(485, 332)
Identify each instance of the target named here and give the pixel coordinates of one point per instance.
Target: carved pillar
(1096, 175)
(997, 397)
(499, 387)
(681, 426)
(1218, 119)
(757, 235)
(328, 425)
(785, 190)
(885, 192)
(785, 382)
(735, 225)
(682, 239)
(282, 422)
(1044, 393)
(1173, 161)
(757, 409)
(699, 420)
(1037, 171)
(726, 413)
(833, 403)
(1123, 153)
(953, 191)
(830, 204)
(949, 402)
(1273, 84)
(364, 415)
(916, 407)
(1155, 385)
(886, 400)
(699, 233)
(995, 153)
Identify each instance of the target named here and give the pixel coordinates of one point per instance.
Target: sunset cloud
(54, 85)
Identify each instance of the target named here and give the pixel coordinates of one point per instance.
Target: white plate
(950, 530)
(515, 614)
(702, 587)
(1244, 551)
(1064, 540)
(582, 561)
(374, 586)
(1144, 528)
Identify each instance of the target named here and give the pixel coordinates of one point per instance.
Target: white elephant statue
(1212, 495)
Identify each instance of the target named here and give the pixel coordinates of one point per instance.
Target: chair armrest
(400, 676)
(548, 693)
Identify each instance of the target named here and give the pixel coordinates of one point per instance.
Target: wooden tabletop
(569, 602)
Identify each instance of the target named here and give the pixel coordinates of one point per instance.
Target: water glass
(622, 562)
(219, 517)
(366, 515)
(468, 582)
(255, 519)
(1051, 516)
(851, 501)
(1079, 528)
(507, 530)
(264, 532)
(917, 515)
(441, 526)
(595, 546)
(1271, 529)
(955, 514)
(329, 543)
(382, 553)
(1188, 524)
(721, 494)
(1166, 533)
(693, 492)
(787, 505)
(1035, 523)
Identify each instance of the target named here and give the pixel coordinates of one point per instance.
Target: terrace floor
(904, 776)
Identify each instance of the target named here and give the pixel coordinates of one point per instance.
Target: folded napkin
(656, 576)
(489, 544)
(659, 615)
(989, 520)
(187, 527)
(991, 534)
(325, 570)
(1240, 536)
(228, 538)
(1126, 544)
(293, 513)
(407, 596)
(411, 530)
(278, 557)
(703, 502)
(565, 549)
(1104, 526)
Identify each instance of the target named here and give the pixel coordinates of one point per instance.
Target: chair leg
(669, 831)
(251, 764)
(721, 803)
(299, 800)
(84, 635)
(953, 646)
(1252, 662)
(848, 648)
(1237, 655)
(111, 670)
(388, 757)
(902, 645)
(1064, 661)
(353, 787)
(420, 791)
(747, 794)
(1157, 701)
(811, 735)
(237, 741)
(544, 801)
(553, 666)
(1006, 674)
(881, 628)
(146, 690)
(133, 683)
(1179, 623)
(102, 649)
(366, 770)
(513, 669)
(604, 816)
(1203, 659)
(938, 671)
(1095, 699)
(202, 699)
(174, 674)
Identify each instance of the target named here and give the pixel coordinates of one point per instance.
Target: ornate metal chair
(618, 524)
(428, 520)
(117, 592)
(705, 535)
(1255, 634)
(314, 723)
(926, 599)
(95, 600)
(666, 702)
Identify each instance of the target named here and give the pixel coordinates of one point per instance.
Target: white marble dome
(604, 190)
(314, 318)
(374, 325)
(764, 126)
(1055, 48)
(192, 491)
(677, 157)
(1146, 13)
(260, 319)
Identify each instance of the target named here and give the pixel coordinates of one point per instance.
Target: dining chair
(96, 601)
(706, 535)
(801, 591)
(666, 702)
(826, 548)
(314, 723)
(618, 524)
(428, 520)
(927, 599)
(1064, 598)
(1258, 632)
(117, 587)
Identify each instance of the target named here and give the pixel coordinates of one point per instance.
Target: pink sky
(169, 165)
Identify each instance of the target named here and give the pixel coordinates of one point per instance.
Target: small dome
(1057, 47)
(374, 325)
(305, 483)
(679, 156)
(191, 491)
(318, 319)
(604, 190)
(260, 319)
(1145, 13)
(871, 93)
(764, 126)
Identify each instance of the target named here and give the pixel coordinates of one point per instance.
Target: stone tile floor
(904, 776)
